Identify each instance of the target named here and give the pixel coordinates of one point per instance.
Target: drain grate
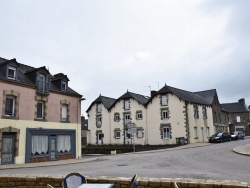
(122, 165)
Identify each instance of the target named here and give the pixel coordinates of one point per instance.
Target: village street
(215, 161)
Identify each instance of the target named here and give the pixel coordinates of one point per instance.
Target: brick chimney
(242, 101)
(153, 92)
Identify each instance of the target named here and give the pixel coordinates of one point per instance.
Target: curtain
(63, 143)
(39, 144)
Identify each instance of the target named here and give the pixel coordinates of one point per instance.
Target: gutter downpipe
(187, 122)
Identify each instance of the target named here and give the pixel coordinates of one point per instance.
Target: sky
(110, 46)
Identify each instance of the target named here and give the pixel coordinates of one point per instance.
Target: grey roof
(106, 101)
(24, 79)
(184, 95)
(140, 98)
(207, 95)
(236, 107)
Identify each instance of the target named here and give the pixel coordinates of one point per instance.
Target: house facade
(40, 115)
(238, 116)
(163, 118)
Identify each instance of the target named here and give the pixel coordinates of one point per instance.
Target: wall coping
(11, 180)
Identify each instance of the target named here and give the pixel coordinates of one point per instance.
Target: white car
(237, 135)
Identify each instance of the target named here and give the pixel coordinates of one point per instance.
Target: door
(99, 138)
(127, 137)
(53, 148)
(8, 142)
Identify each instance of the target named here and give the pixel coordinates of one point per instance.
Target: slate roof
(106, 101)
(184, 95)
(140, 98)
(236, 107)
(207, 95)
(24, 79)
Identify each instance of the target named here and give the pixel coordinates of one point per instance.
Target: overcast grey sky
(108, 46)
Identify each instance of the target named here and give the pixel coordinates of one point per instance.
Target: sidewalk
(241, 149)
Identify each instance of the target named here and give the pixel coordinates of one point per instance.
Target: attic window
(12, 72)
(64, 86)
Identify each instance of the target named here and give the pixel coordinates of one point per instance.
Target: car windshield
(234, 133)
(217, 134)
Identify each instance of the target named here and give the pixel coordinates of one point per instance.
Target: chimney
(153, 92)
(242, 101)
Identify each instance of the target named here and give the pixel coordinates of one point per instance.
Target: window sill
(196, 138)
(44, 120)
(10, 117)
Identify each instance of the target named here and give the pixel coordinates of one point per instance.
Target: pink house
(40, 115)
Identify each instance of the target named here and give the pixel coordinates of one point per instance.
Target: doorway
(52, 148)
(127, 137)
(8, 151)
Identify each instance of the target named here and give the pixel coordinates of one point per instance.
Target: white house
(169, 115)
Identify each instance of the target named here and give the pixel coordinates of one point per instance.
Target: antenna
(149, 87)
(158, 85)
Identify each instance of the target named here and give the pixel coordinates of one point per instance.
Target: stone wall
(24, 181)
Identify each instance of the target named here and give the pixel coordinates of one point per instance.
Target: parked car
(220, 137)
(237, 135)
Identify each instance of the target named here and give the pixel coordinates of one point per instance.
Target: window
(139, 133)
(164, 114)
(63, 143)
(126, 105)
(117, 134)
(127, 119)
(116, 117)
(64, 112)
(238, 118)
(195, 132)
(99, 120)
(39, 145)
(99, 108)
(64, 86)
(12, 72)
(204, 113)
(138, 115)
(40, 110)
(196, 112)
(215, 117)
(10, 106)
(164, 100)
(166, 132)
(208, 132)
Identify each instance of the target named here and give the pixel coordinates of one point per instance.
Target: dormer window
(64, 86)
(12, 72)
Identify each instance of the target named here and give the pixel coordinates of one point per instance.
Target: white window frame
(126, 105)
(138, 115)
(164, 100)
(117, 134)
(99, 120)
(127, 119)
(64, 86)
(117, 117)
(99, 108)
(14, 69)
(38, 115)
(238, 119)
(64, 112)
(164, 114)
(166, 129)
(13, 105)
(139, 133)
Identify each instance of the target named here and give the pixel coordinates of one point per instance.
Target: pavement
(244, 150)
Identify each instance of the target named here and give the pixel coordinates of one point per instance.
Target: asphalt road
(216, 161)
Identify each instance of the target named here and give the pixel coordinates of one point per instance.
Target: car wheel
(243, 138)
(229, 139)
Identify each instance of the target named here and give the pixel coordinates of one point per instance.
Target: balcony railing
(42, 86)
